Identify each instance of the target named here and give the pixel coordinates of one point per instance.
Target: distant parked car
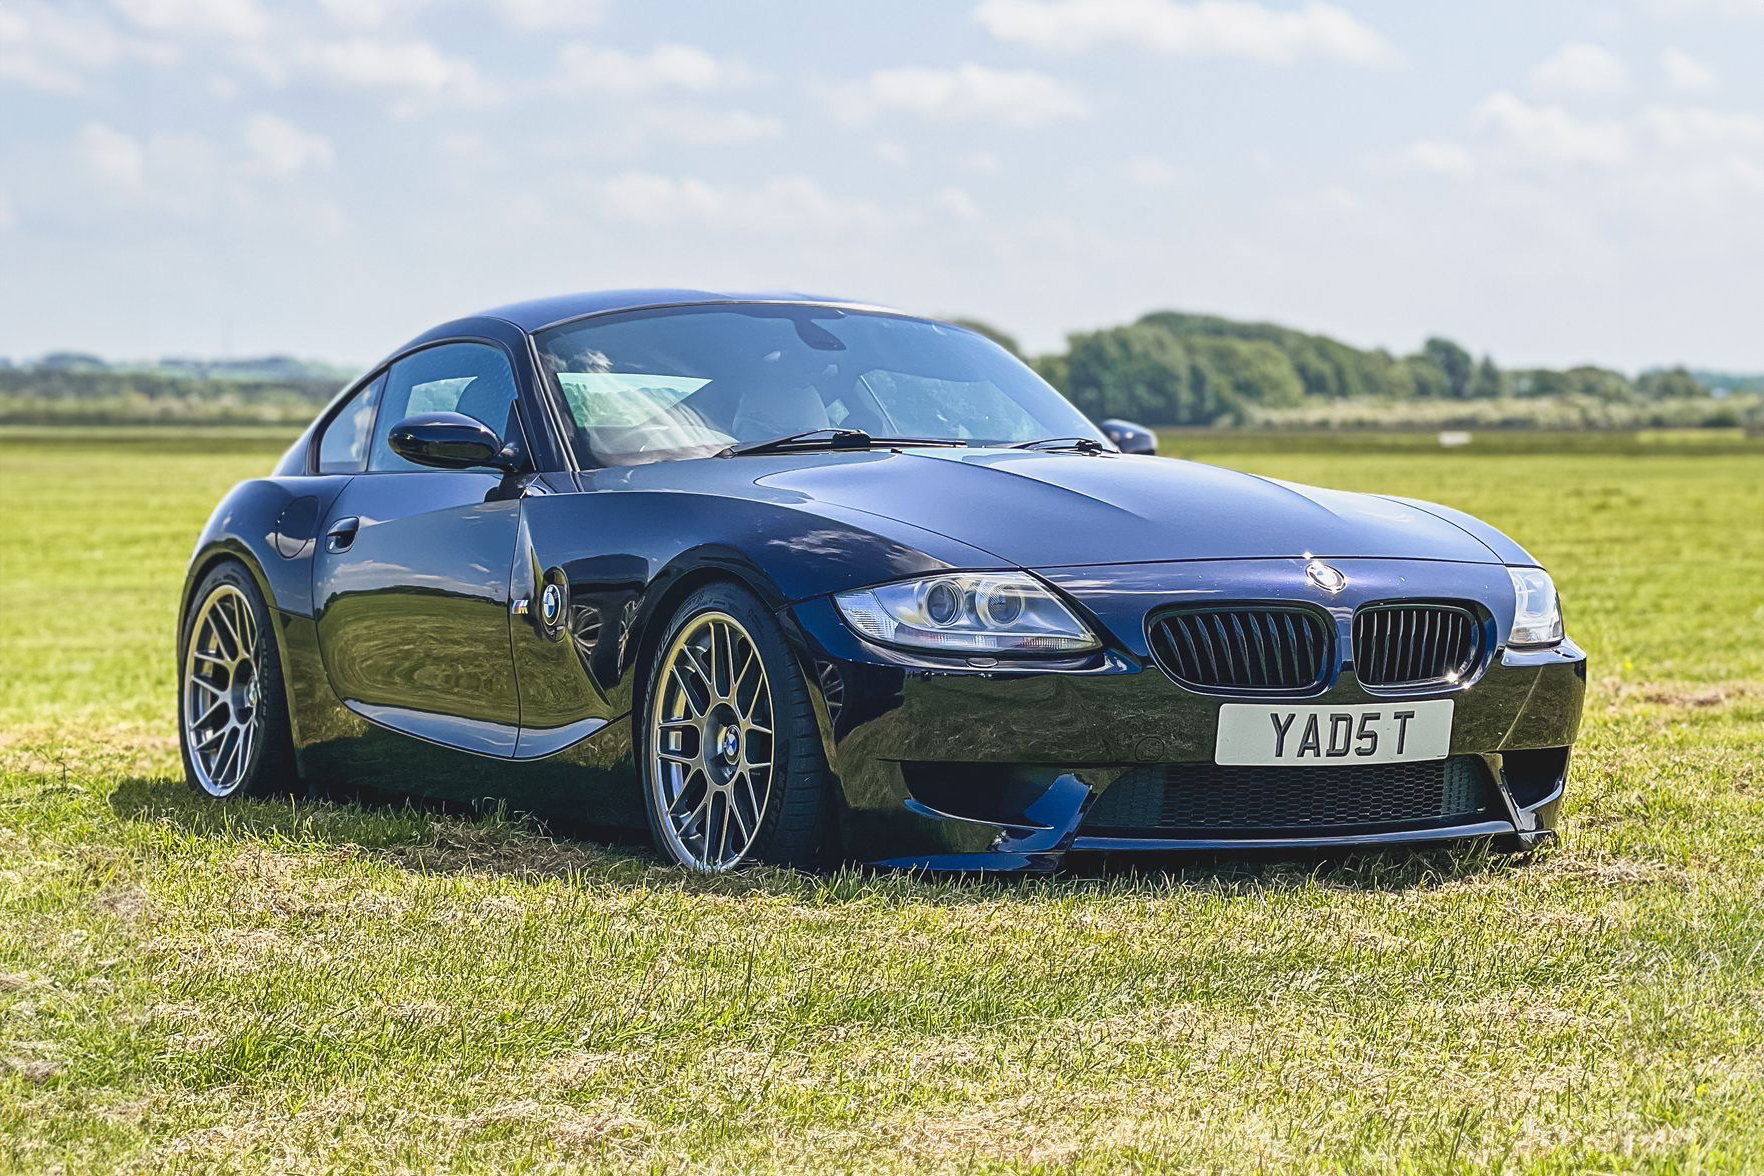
(794, 580)
(1129, 437)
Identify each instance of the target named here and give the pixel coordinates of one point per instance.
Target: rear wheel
(733, 768)
(232, 710)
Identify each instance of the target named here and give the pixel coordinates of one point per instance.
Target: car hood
(1040, 509)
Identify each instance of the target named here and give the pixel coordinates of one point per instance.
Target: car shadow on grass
(428, 836)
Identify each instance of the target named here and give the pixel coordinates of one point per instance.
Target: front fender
(630, 556)
(1503, 547)
(270, 527)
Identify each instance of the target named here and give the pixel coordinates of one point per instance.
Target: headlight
(967, 612)
(1537, 619)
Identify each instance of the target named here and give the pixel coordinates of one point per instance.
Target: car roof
(538, 313)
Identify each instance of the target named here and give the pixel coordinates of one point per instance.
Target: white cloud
(1340, 198)
(892, 153)
(1738, 9)
(114, 158)
(242, 19)
(958, 203)
(30, 71)
(1446, 159)
(371, 14)
(1684, 72)
(1580, 68)
(783, 203)
(1696, 127)
(376, 64)
(692, 124)
(184, 175)
(554, 14)
(178, 174)
(1208, 28)
(666, 68)
(523, 15)
(1663, 157)
(52, 47)
(1552, 136)
(420, 76)
(1021, 98)
(279, 148)
(1149, 172)
(8, 216)
(415, 73)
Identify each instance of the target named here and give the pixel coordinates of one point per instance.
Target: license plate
(1302, 735)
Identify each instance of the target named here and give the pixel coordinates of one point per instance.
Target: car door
(411, 573)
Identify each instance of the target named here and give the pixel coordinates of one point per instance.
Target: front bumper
(954, 766)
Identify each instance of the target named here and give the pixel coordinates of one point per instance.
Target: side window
(343, 446)
(469, 378)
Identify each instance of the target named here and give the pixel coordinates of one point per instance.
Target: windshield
(694, 381)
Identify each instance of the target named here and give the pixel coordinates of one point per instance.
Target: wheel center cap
(729, 743)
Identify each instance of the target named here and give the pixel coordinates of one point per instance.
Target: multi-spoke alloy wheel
(711, 743)
(222, 691)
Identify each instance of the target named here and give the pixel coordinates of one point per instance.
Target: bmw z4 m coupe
(796, 580)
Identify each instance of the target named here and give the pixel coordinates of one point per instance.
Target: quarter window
(469, 378)
(343, 446)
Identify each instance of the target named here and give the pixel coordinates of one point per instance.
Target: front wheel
(232, 713)
(732, 761)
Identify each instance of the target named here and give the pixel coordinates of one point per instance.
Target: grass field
(265, 987)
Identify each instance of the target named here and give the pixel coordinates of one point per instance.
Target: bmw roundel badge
(1325, 577)
(551, 605)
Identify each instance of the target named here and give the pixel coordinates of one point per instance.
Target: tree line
(1167, 368)
(86, 396)
(1173, 368)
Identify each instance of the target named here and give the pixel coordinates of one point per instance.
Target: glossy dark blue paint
(415, 656)
(426, 570)
(1040, 510)
(537, 314)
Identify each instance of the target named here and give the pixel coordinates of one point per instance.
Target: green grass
(265, 987)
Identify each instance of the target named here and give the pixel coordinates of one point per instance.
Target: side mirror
(1129, 437)
(450, 441)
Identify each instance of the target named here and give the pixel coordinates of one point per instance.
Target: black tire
(796, 821)
(262, 762)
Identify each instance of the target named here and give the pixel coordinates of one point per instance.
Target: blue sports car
(796, 580)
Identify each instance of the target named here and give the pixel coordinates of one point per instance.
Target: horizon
(359, 366)
(1573, 184)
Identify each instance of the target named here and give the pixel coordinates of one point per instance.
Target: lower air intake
(1213, 798)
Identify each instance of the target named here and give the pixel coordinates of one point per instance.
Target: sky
(1549, 181)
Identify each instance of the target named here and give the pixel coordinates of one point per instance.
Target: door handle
(341, 534)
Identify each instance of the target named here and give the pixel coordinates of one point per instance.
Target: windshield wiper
(1081, 444)
(831, 439)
